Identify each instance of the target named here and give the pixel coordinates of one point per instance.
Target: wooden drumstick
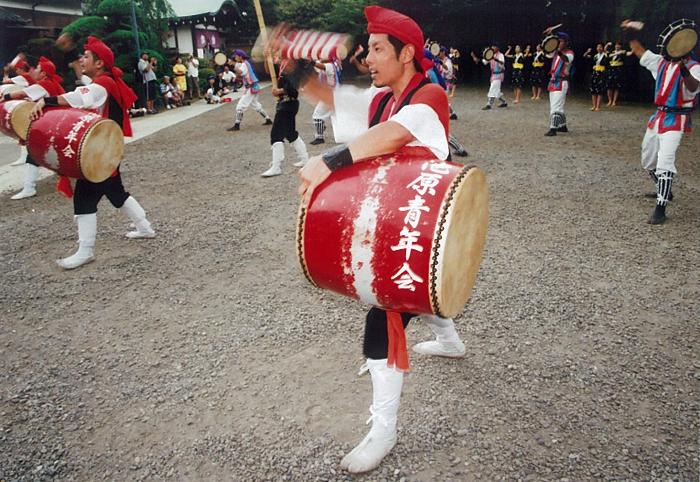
(263, 34)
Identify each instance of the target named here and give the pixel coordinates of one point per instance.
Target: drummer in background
(328, 72)
(616, 73)
(245, 71)
(598, 82)
(376, 122)
(111, 97)
(46, 84)
(17, 74)
(559, 84)
(498, 69)
(677, 85)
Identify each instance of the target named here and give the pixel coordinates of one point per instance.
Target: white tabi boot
(302, 153)
(277, 158)
(135, 212)
(87, 230)
(31, 174)
(447, 342)
(22, 156)
(386, 396)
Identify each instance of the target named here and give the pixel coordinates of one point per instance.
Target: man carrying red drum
(677, 85)
(402, 109)
(45, 83)
(109, 96)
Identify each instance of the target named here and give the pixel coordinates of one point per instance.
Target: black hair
(398, 45)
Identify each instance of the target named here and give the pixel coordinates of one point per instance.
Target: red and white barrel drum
(76, 143)
(315, 45)
(404, 232)
(14, 118)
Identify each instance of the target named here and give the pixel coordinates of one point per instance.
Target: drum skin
(76, 143)
(487, 54)
(404, 232)
(14, 118)
(220, 59)
(550, 44)
(678, 39)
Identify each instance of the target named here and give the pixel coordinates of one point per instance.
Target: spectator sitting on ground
(212, 95)
(228, 77)
(171, 96)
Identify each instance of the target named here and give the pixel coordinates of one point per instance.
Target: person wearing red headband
(46, 83)
(402, 109)
(111, 97)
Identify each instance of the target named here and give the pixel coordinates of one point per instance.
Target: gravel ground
(205, 355)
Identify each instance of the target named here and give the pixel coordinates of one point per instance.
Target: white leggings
(659, 150)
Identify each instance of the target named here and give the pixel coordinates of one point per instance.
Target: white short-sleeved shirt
(651, 62)
(91, 97)
(351, 119)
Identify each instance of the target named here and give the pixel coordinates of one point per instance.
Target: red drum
(76, 143)
(14, 118)
(404, 232)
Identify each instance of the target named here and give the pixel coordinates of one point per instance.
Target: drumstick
(549, 29)
(263, 33)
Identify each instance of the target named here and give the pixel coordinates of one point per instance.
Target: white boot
(302, 153)
(87, 230)
(386, 396)
(31, 174)
(447, 342)
(135, 212)
(277, 158)
(22, 156)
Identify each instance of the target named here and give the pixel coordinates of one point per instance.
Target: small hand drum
(220, 59)
(435, 48)
(678, 39)
(487, 54)
(550, 44)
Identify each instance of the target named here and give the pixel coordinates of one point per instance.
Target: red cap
(398, 25)
(99, 48)
(49, 68)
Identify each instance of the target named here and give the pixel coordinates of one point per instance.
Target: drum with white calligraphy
(14, 118)
(76, 143)
(404, 232)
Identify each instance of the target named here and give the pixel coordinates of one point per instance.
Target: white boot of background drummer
(136, 213)
(302, 153)
(22, 156)
(277, 158)
(31, 174)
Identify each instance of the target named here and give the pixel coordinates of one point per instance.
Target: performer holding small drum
(244, 69)
(110, 97)
(558, 86)
(496, 61)
(677, 85)
(45, 84)
(406, 112)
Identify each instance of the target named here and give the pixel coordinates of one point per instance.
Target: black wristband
(51, 101)
(338, 157)
(7, 97)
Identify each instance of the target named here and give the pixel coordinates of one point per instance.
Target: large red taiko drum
(404, 232)
(14, 118)
(76, 143)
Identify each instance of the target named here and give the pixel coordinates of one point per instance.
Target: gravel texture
(204, 354)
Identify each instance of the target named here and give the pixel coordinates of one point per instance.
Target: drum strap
(387, 97)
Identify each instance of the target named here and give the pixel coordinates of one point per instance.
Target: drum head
(435, 48)
(550, 44)
(465, 221)
(21, 120)
(101, 151)
(681, 43)
(220, 58)
(488, 53)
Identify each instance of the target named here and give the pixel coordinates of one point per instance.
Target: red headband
(398, 25)
(49, 68)
(99, 48)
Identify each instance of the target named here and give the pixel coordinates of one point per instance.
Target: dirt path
(205, 355)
